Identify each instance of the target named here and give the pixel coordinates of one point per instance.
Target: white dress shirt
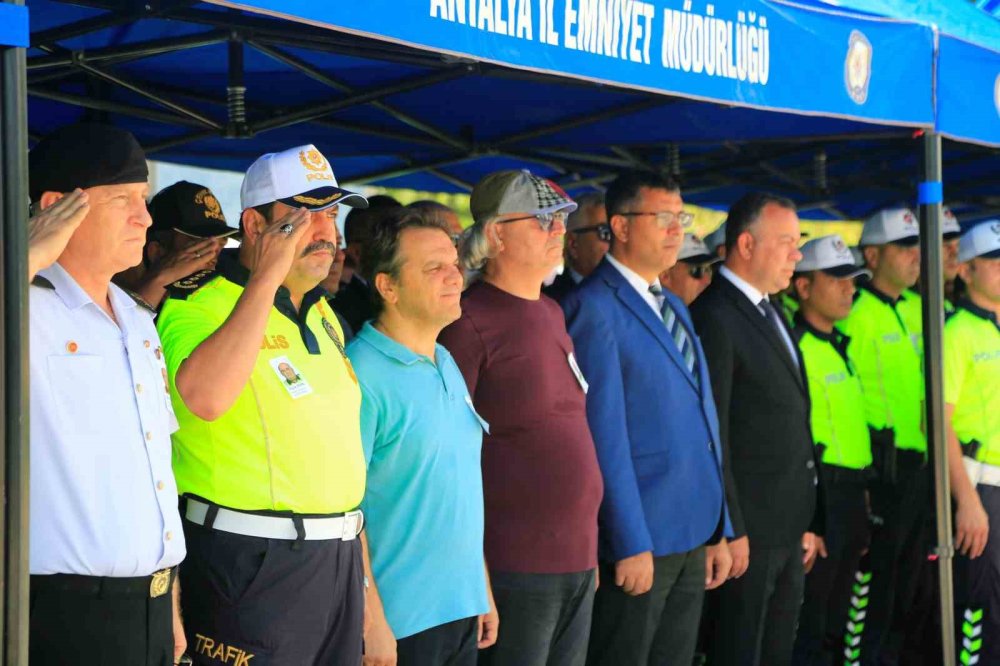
(639, 284)
(756, 296)
(103, 497)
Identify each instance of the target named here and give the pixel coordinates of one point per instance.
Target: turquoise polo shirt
(423, 505)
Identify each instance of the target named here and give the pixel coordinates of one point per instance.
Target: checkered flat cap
(516, 191)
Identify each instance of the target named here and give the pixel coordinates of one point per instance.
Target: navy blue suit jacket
(656, 431)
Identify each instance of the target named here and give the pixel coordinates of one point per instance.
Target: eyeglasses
(700, 271)
(545, 220)
(664, 218)
(603, 231)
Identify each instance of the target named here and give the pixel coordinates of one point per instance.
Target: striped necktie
(678, 333)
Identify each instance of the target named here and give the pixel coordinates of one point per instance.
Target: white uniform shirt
(103, 497)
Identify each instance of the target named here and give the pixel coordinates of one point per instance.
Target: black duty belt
(152, 586)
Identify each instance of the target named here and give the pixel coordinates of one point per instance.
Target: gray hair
(475, 248)
(584, 203)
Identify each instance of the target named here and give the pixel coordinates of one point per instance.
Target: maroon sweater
(541, 482)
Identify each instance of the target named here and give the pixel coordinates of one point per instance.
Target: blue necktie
(679, 334)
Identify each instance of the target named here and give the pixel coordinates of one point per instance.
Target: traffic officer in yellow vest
(824, 289)
(972, 418)
(889, 365)
(911, 305)
(268, 458)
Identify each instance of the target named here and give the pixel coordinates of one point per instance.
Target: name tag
(577, 373)
(482, 422)
(290, 377)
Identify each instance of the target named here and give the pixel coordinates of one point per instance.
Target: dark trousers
(828, 585)
(90, 621)
(450, 644)
(544, 619)
(977, 590)
(271, 602)
(658, 627)
(897, 551)
(758, 611)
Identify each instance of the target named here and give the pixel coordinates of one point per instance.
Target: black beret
(85, 155)
(189, 208)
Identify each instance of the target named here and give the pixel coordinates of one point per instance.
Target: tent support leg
(14, 353)
(930, 198)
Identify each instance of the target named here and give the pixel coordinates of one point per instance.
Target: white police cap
(949, 224)
(297, 177)
(716, 238)
(982, 240)
(892, 225)
(831, 255)
(694, 251)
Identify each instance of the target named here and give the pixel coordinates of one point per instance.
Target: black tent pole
(930, 198)
(14, 359)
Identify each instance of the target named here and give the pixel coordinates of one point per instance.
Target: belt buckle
(350, 527)
(160, 583)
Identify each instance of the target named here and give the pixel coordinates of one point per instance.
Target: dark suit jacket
(562, 285)
(763, 405)
(654, 427)
(353, 303)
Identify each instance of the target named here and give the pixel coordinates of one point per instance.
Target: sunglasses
(664, 218)
(700, 271)
(545, 220)
(603, 231)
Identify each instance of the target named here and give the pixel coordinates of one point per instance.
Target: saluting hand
(274, 250)
(177, 265)
(50, 230)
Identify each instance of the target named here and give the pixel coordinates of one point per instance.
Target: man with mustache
(271, 471)
(656, 431)
(761, 393)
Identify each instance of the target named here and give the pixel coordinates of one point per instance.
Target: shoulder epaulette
(140, 301)
(192, 283)
(39, 281)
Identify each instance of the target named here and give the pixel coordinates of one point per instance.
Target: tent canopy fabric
(13, 25)
(209, 86)
(967, 86)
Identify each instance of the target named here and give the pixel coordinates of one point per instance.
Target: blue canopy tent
(821, 105)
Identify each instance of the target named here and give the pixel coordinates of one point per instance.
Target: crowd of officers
(421, 449)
